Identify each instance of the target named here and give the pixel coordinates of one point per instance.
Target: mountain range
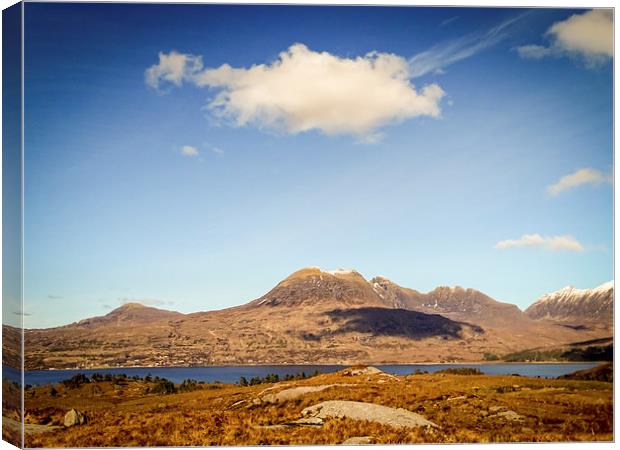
(316, 316)
(577, 306)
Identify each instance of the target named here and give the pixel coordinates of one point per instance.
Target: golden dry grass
(11, 412)
(554, 410)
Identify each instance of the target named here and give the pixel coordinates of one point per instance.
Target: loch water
(232, 374)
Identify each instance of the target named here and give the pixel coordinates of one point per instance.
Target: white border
(451, 3)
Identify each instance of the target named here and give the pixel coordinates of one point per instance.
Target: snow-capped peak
(577, 305)
(604, 287)
(340, 271)
(332, 272)
(568, 292)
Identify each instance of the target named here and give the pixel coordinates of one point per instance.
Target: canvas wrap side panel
(12, 312)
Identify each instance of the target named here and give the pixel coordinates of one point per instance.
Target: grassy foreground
(466, 408)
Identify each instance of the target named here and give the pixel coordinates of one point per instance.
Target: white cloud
(533, 51)
(188, 150)
(566, 242)
(217, 151)
(306, 90)
(173, 68)
(591, 33)
(442, 55)
(578, 178)
(588, 35)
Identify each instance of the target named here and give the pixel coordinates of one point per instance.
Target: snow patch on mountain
(576, 305)
(573, 294)
(340, 271)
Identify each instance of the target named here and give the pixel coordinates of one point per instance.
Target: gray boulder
(75, 417)
(358, 440)
(395, 417)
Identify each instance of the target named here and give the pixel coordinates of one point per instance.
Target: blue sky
(156, 173)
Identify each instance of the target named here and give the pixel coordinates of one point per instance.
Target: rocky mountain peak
(317, 316)
(571, 304)
(130, 313)
(129, 306)
(313, 285)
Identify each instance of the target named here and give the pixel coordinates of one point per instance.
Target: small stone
(274, 427)
(358, 440)
(309, 421)
(509, 415)
(75, 417)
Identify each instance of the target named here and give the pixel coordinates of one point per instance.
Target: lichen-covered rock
(396, 417)
(358, 440)
(361, 370)
(75, 417)
(293, 393)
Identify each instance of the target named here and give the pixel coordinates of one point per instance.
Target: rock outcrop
(75, 417)
(395, 417)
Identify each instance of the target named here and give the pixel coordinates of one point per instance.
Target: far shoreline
(482, 363)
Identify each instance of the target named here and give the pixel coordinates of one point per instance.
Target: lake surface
(231, 374)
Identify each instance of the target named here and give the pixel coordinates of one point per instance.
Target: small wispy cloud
(54, 297)
(556, 243)
(437, 58)
(217, 151)
(173, 68)
(371, 139)
(579, 178)
(589, 36)
(534, 51)
(188, 150)
(21, 313)
(448, 21)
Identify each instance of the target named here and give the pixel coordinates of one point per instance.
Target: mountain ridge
(577, 306)
(312, 316)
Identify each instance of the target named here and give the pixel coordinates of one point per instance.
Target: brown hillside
(311, 317)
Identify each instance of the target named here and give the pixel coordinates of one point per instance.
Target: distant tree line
(461, 371)
(274, 378)
(158, 385)
(164, 386)
(590, 353)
